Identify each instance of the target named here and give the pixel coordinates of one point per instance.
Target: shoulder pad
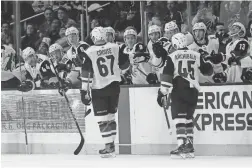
(83, 47)
(139, 47)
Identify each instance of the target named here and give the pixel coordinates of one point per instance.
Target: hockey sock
(180, 124)
(189, 130)
(108, 131)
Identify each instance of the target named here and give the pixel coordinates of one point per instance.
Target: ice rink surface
(129, 161)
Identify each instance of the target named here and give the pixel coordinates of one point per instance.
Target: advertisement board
(44, 111)
(220, 118)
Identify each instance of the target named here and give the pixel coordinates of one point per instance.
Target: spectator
(133, 19)
(40, 6)
(222, 36)
(54, 30)
(44, 46)
(64, 18)
(173, 14)
(120, 23)
(6, 35)
(232, 12)
(30, 37)
(94, 23)
(206, 16)
(48, 13)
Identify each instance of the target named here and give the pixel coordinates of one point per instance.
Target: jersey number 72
(184, 72)
(102, 66)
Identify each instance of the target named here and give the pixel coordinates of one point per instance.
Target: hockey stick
(23, 110)
(166, 116)
(77, 151)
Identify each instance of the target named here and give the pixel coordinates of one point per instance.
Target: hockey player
(154, 33)
(35, 72)
(181, 72)
(72, 57)
(237, 57)
(137, 72)
(110, 34)
(7, 58)
(101, 71)
(206, 45)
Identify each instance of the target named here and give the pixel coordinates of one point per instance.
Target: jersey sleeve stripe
(166, 78)
(166, 84)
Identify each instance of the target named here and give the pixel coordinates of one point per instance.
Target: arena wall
(220, 123)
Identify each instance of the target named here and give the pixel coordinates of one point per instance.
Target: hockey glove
(234, 60)
(159, 50)
(215, 58)
(141, 57)
(65, 85)
(152, 78)
(85, 97)
(26, 86)
(247, 75)
(161, 99)
(220, 77)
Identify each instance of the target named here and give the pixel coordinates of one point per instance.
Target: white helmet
(27, 52)
(110, 30)
(179, 41)
(55, 47)
(130, 32)
(171, 26)
(199, 26)
(98, 34)
(242, 28)
(153, 29)
(71, 30)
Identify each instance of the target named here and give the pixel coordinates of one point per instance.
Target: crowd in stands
(49, 28)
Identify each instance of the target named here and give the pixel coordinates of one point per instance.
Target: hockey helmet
(179, 41)
(153, 29)
(199, 26)
(71, 30)
(171, 26)
(98, 34)
(110, 30)
(27, 52)
(241, 32)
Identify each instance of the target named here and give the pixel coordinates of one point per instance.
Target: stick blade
(77, 151)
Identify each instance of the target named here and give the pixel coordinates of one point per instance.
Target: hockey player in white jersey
(101, 72)
(139, 68)
(181, 71)
(72, 57)
(237, 57)
(36, 71)
(206, 45)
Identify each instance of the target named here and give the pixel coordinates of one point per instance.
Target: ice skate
(178, 153)
(189, 150)
(108, 152)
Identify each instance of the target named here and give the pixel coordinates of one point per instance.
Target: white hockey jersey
(238, 48)
(139, 70)
(212, 44)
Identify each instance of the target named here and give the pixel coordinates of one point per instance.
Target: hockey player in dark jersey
(237, 58)
(35, 72)
(181, 72)
(101, 73)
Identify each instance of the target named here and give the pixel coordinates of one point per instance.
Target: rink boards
(220, 123)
